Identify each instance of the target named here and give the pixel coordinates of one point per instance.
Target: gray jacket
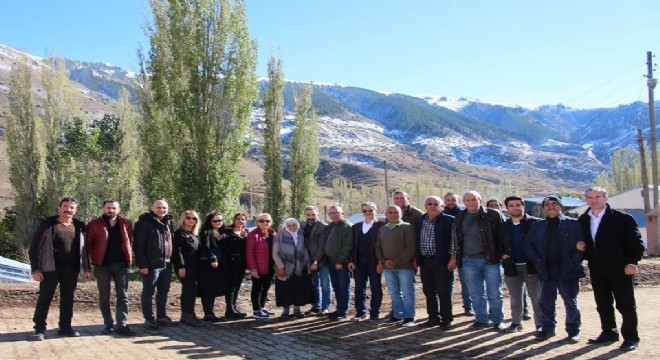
(289, 255)
(316, 243)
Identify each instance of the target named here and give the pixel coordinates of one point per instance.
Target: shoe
(545, 335)
(151, 325)
(166, 322)
(325, 312)
(37, 336)
(513, 328)
(604, 338)
(573, 339)
(68, 332)
(393, 320)
(212, 319)
(359, 317)
(469, 312)
(526, 317)
(430, 323)
(108, 330)
(260, 315)
(499, 327)
(313, 312)
(234, 315)
(298, 314)
(335, 316)
(374, 318)
(125, 331)
(269, 313)
(628, 345)
(408, 322)
(192, 320)
(445, 325)
(478, 326)
(539, 329)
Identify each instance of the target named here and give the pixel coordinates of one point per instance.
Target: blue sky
(586, 53)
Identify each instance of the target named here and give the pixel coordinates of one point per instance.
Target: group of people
(313, 261)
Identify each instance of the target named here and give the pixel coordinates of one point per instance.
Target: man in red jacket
(109, 246)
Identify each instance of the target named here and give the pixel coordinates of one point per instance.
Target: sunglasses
(435, 204)
(191, 218)
(366, 211)
(217, 221)
(264, 221)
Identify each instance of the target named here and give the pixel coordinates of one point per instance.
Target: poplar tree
(274, 107)
(129, 156)
(26, 158)
(305, 153)
(199, 88)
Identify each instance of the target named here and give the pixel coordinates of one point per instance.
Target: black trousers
(189, 290)
(612, 285)
(259, 293)
(67, 278)
(438, 288)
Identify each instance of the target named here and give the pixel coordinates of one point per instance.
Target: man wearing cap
(551, 244)
(613, 246)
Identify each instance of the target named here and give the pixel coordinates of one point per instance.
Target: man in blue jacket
(551, 245)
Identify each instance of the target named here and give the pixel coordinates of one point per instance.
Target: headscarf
(294, 234)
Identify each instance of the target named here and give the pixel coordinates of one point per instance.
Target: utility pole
(387, 187)
(645, 177)
(651, 82)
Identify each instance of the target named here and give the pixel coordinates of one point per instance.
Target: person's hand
(254, 274)
(314, 267)
(280, 272)
(451, 265)
(87, 275)
(351, 266)
(379, 268)
(630, 269)
(181, 273)
(389, 264)
(38, 276)
(339, 266)
(214, 264)
(505, 256)
(581, 245)
(144, 271)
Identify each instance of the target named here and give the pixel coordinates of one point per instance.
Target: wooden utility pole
(651, 82)
(387, 186)
(645, 177)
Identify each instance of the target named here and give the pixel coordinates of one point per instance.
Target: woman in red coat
(259, 260)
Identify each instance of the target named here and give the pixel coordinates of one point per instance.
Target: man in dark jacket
(321, 283)
(56, 254)
(551, 245)
(453, 207)
(519, 272)
(338, 247)
(409, 213)
(363, 264)
(477, 229)
(436, 247)
(153, 250)
(613, 246)
(109, 246)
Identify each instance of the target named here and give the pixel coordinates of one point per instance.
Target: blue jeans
(401, 287)
(365, 271)
(568, 289)
(465, 293)
(322, 288)
(156, 281)
(341, 282)
(479, 274)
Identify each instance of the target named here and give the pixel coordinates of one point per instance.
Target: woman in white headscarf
(293, 286)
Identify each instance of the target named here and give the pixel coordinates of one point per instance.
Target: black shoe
(513, 328)
(393, 320)
(166, 322)
(234, 316)
(478, 326)
(37, 336)
(469, 312)
(359, 317)
(68, 332)
(335, 316)
(408, 322)
(313, 312)
(604, 338)
(125, 331)
(212, 318)
(445, 325)
(151, 325)
(527, 317)
(432, 322)
(108, 330)
(628, 345)
(545, 335)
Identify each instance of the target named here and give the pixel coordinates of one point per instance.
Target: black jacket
(505, 245)
(618, 241)
(490, 222)
(42, 252)
(443, 228)
(149, 240)
(185, 254)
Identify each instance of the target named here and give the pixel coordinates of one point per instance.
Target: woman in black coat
(185, 259)
(233, 265)
(211, 280)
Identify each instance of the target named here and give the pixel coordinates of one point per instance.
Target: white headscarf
(294, 234)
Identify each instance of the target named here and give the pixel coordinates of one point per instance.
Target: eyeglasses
(434, 204)
(217, 221)
(191, 218)
(264, 221)
(364, 211)
(333, 212)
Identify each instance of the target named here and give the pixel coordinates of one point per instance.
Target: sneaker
(469, 312)
(68, 332)
(335, 316)
(212, 318)
(573, 338)
(430, 323)
(108, 330)
(269, 313)
(499, 327)
(325, 312)
(544, 335)
(313, 312)
(478, 326)
(408, 322)
(151, 325)
(359, 317)
(37, 336)
(513, 328)
(166, 322)
(393, 320)
(260, 315)
(125, 331)
(629, 345)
